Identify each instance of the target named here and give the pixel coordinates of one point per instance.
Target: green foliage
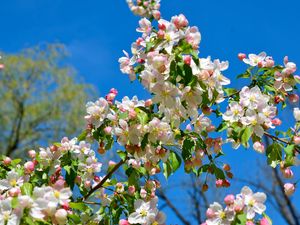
(41, 98)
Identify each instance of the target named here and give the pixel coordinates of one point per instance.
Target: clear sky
(96, 31)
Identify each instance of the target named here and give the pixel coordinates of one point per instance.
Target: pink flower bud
(61, 216)
(210, 128)
(156, 14)
(287, 173)
(53, 148)
(226, 183)
(249, 223)
(87, 184)
(6, 161)
(97, 178)
(59, 184)
(148, 102)
(241, 56)
(131, 190)
(143, 193)
(161, 34)
(210, 213)
(264, 221)
(32, 154)
(226, 167)
(259, 147)
(14, 192)
(219, 183)
(162, 26)
(206, 110)
(1, 66)
(124, 222)
(269, 63)
(188, 127)
(296, 140)
(132, 114)
(187, 59)
(276, 122)
(29, 167)
(229, 199)
(294, 98)
(108, 130)
(111, 163)
(78, 180)
(289, 189)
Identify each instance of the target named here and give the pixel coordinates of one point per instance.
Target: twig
(108, 175)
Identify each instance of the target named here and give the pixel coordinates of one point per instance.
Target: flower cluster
(41, 203)
(254, 110)
(245, 206)
(146, 213)
(167, 64)
(145, 8)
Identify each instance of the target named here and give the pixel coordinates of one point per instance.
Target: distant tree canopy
(41, 98)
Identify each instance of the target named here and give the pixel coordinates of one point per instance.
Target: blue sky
(95, 32)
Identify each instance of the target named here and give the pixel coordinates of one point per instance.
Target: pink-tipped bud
(1, 66)
(97, 178)
(210, 128)
(278, 99)
(108, 130)
(78, 180)
(148, 102)
(210, 213)
(61, 216)
(14, 192)
(143, 193)
(156, 14)
(6, 161)
(132, 114)
(32, 154)
(249, 223)
(289, 189)
(242, 56)
(187, 59)
(287, 173)
(226, 167)
(162, 26)
(131, 190)
(264, 221)
(29, 167)
(59, 184)
(161, 34)
(259, 147)
(296, 140)
(226, 183)
(294, 98)
(87, 184)
(124, 222)
(229, 199)
(53, 148)
(219, 183)
(206, 110)
(111, 163)
(276, 122)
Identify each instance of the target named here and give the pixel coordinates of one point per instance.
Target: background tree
(41, 98)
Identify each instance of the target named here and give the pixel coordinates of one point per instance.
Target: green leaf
(203, 169)
(75, 218)
(244, 75)
(133, 176)
(167, 169)
(29, 221)
(289, 150)
(230, 91)
(240, 219)
(15, 162)
(122, 154)
(222, 126)
(78, 205)
(219, 173)
(82, 136)
(187, 148)
(26, 189)
(175, 161)
(246, 134)
(142, 116)
(274, 154)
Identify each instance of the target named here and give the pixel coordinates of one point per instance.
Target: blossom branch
(108, 175)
